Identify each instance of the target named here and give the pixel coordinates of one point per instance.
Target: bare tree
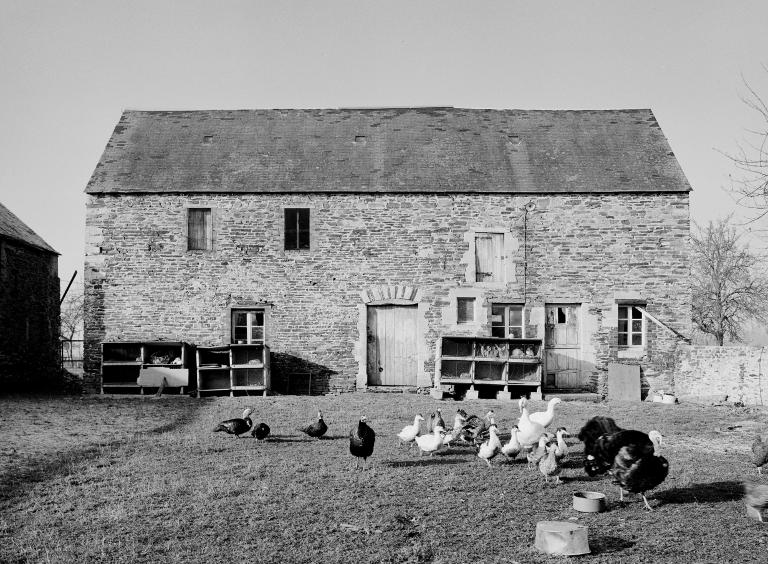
(729, 283)
(750, 184)
(72, 313)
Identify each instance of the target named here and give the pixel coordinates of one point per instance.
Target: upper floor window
(247, 326)
(465, 310)
(199, 229)
(296, 228)
(489, 257)
(631, 326)
(507, 321)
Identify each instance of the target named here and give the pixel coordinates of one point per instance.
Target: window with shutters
(631, 326)
(489, 257)
(248, 326)
(507, 320)
(465, 310)
(296, 228)
(199, 229)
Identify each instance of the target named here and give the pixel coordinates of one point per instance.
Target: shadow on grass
(424, 461)
(283, 439)
(28, 470)
(713, 492)
(606, 544)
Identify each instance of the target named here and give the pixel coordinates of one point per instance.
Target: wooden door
(392, 353)
(562, 346)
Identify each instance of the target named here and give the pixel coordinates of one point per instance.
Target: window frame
(506, 320)
(249, 340)
(297, 244)
(208, 228)
(630, 333)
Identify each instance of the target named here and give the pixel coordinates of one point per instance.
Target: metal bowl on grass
(589, 502)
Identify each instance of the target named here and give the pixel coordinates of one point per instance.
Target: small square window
(247, 326)
(199, 229)
(631, 327)
(296, 228)
(465, 310)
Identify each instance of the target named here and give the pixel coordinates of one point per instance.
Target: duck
(260, 431)
(632, 457)
(549, 465)
(535, 455)
(237, 426)
(458, 423)
(361, 441)
(410, 432)
(756, 499)
(490, 448)
(316, 429)
(530, 432)
(562, 447)
(545, 418)
(512, 448)
(474, 428)
(432, 442)
(435, 420)
(759, 453)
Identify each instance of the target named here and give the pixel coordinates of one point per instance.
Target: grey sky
(69, 68)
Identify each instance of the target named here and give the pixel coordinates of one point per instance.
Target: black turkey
(316, 429)
(237, 426)
(361, 441)
(475, 430)
(260, 431)
(631, 457)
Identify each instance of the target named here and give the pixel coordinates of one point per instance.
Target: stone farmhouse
(29, 306)
(354, 240)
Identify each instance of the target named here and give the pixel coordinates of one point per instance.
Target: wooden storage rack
(231, 368)
(489, 361)
(124, 363)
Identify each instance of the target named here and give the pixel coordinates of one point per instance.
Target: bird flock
(631, 457)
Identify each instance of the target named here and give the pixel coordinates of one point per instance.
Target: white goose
(530, 431)
(545, 418)
(409, 432)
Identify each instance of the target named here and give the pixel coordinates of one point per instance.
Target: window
(296, 228)
(247, 326)
(199, 229)
(631, 326)
(489, 257)
(507, 321)
(465, 310)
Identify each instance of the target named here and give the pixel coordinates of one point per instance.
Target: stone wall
(735, 374)
(29, 317)
(591, 249)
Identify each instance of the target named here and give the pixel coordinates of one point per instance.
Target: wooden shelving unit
(232, 368)
(488, 361)
(136, 365)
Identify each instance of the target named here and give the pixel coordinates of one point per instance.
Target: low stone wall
(734, 374)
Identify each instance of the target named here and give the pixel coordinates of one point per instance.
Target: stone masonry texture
(592, 249)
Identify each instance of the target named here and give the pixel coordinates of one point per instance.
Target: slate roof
(416, 150)
(11, 227)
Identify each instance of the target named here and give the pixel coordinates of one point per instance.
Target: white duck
(530, 432)
(491, 447)
(409, 432)
(432, 442)
(512, 448)
(561, 452)
(545, 418)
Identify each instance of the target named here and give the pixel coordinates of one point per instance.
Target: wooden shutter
(199, 229)
(489, 262)
(465, 310)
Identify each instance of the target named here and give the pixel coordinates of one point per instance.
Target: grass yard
(136, 479)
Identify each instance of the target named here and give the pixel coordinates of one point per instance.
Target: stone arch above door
(386, 293)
